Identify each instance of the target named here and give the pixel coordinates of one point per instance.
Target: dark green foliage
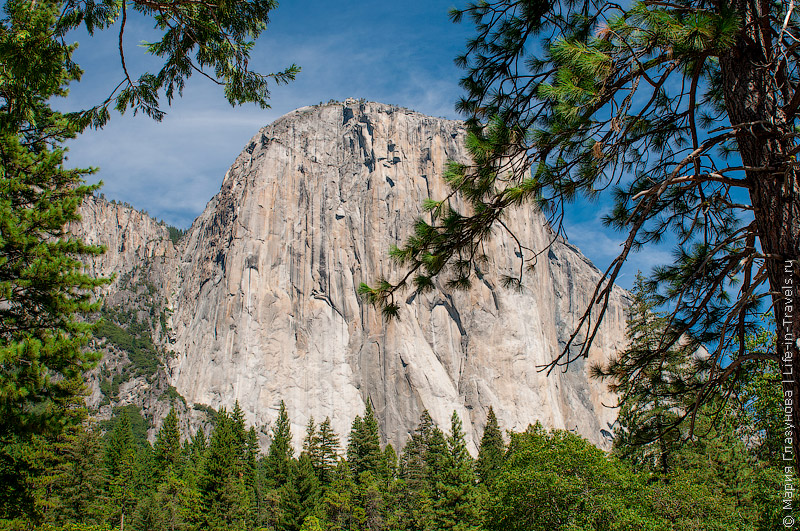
(120, 465)
(26, 463)
(251, 451)
(133, 414)
(371, 509)
(454, 496)
(120, 449)
(311, 445)
(424, 454)
(19, 464)
(279, 458)
(548, 480)
(328, 451)
(212, 38)
(167, 448)
(59, 480)
(172, 394)
(339, 503)
(145, 475)
(491, 450)
(722, 450)
(166, 508)
(46, 301)
(137, 342)
(422, 464)
(224, 494)
(290, 505)
(198, 445)
(240, 433)
(364, 447)
(654, 386)
(311, 523)
(175, 234)
(746, 489)
(759, 400)
(389, 463)
(308, 487)
(208, 410)
(45, 297)
(458, 463)
(43, 291)
(74, 482)
(586, 490)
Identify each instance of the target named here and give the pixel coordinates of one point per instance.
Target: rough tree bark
(765, 136)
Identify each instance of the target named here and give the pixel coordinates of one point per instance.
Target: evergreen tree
(408, 509)
(364, 448)
(352, 442)
(458, 462)
(370, 502)
(120, 465)
(423, 453)
(435, 446)
(312, 523)
(278, 462)
(171, 504)
(421, 464)
(311, 445)
(652, 392)
(412, 462)
(455, 496)
(198, 445)
(44, 294)
(29, 466)
(657, 106)
(269, 510)
(192, 476)
(290, 504)
(339, 501)
(490, 453)
(46, 298)
(240, 430)
(251, 478)
(71, 489)
(311, 440)
(389, 463)
(232, 510)
(224, 494)
(714, 456)
(167, 448)
(307, 486)
(328, 451)
(145, 475)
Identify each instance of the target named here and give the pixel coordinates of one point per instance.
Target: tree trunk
(751, 97)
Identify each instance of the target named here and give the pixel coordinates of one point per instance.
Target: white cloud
(172, 168)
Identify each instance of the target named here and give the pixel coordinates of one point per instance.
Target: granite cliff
(258, 301)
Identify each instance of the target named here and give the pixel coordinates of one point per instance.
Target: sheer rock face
(264, 291)
(134, 241)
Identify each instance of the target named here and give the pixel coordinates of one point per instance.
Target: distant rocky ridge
(258, 301)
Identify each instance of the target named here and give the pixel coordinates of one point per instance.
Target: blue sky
(393, 53)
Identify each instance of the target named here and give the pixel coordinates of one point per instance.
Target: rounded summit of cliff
(264, 290)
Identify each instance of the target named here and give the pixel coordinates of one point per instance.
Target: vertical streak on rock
(307, 212)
